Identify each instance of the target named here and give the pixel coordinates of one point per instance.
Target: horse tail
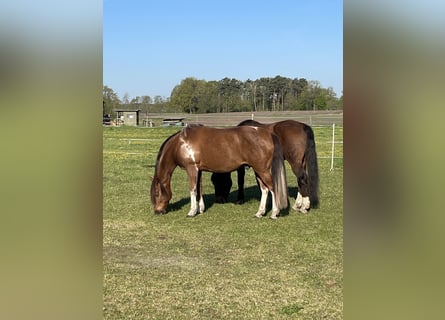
(279, 174)
(312, 167)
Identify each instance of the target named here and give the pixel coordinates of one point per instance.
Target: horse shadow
(250, 193)
(254, 193)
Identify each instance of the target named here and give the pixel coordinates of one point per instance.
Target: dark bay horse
(198, 148)
(298, 143)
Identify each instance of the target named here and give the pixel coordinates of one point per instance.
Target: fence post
(333, 143)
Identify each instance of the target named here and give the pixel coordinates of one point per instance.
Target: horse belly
(219, 160)
(219, 165)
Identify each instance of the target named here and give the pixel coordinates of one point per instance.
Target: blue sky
(150, 46)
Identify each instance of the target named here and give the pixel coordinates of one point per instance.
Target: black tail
(312, 167)
(279, 175)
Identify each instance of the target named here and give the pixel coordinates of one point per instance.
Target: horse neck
(166, 163)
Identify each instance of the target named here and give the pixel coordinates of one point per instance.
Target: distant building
(128, 117)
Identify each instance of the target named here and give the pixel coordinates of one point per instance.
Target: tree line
(230, 95)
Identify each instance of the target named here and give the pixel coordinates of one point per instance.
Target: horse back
(224, 150)
(293, 134)
(293, 137)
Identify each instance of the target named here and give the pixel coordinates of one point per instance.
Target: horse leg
(298, 201)
(265, 184)
(264, 191)
(241, 173)
(201, 198)
(222, 183)
(302, 202)
(275, 210)
(193, 187)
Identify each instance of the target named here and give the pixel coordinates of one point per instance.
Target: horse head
(160, 195)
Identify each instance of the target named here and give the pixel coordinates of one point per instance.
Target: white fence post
(333, 143)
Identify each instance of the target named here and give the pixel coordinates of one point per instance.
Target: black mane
(250, 123)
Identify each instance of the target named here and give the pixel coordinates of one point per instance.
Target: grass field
(224, 263)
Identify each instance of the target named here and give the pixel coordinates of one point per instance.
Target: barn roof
(127, 110)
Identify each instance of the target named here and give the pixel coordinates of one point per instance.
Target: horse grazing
(198, 148)
(298, 143)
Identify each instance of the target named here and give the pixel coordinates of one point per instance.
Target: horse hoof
(220, 200)
(273, 218)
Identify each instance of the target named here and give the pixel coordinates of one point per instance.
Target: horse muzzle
(160, 211)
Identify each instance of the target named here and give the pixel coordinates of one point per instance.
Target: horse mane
(161, 150)
(249, 122)
(155, 177)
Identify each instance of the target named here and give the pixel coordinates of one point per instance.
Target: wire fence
(327, 126)
(312, 118)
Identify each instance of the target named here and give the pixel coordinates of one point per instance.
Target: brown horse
(297, 140)
(198, 148)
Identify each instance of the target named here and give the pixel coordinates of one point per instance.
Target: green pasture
(224, 263)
